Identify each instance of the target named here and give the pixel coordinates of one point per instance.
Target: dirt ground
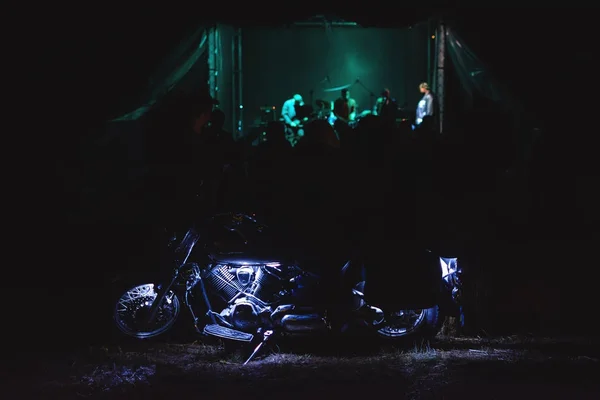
(447, 368)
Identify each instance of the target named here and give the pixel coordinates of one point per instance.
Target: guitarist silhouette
(294, 114)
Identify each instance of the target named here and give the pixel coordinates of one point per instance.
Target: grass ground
(446, 368)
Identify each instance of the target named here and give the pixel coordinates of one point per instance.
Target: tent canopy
(186, 65)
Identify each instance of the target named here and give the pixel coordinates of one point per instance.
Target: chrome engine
(258, 295)
(257, 282)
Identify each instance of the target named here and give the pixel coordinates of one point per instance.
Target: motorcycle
(246, 297)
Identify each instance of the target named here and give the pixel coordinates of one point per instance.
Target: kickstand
(266, 337)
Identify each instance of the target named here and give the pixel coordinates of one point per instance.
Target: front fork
(161, 292)
(182, 252)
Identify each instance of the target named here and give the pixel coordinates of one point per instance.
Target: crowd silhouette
(335, 174)
(355, 183)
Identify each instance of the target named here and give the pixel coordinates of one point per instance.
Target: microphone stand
(371, 94)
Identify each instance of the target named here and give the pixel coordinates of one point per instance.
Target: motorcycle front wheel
(132, 312)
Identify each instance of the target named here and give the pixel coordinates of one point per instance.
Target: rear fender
(412, 280)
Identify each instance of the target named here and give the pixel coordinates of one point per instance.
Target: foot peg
(227, 333)
(266, 337)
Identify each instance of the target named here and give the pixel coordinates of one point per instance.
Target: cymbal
(337, 89)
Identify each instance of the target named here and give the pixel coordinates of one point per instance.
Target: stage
(257, 69)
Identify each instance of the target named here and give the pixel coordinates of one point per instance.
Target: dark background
(97, 65)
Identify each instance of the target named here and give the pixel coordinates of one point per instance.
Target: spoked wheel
(132, 312)
(397, 324)
(403, 323)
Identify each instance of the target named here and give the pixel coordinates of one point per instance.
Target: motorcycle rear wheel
(404, 323)
(131, 312)
(399, 324)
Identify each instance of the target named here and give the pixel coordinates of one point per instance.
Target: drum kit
(324, 108)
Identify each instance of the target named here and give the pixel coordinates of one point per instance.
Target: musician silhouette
(386, 107)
